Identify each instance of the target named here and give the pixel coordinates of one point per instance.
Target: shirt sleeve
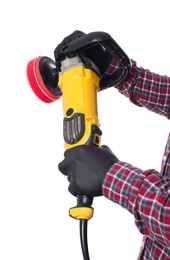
(145, 88)
(146, 194)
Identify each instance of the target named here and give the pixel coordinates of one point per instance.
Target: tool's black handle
(91, 40)
(85, 42)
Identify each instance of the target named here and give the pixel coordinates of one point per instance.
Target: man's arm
(146, 194)
(145, 88)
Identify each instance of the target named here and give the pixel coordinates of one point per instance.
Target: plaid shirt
(146, 194)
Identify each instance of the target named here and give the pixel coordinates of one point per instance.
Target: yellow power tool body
(79, 87)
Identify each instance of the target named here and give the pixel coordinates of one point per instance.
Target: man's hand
(106, 65)
(58, 50)
(86, 166)
(97, 54)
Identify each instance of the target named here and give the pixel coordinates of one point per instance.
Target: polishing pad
(37, 83)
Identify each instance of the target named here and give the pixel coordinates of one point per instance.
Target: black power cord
(83, 212)
(83, 239)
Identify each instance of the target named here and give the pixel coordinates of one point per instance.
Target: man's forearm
(143, 193)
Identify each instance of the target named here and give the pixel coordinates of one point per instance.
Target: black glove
(57, 52)
(96, 54)
(86, 167)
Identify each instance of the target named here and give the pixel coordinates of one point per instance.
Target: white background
(34, 201)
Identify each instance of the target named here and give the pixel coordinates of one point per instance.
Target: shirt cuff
(122, 183)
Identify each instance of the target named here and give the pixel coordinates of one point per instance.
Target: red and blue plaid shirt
(146, 194)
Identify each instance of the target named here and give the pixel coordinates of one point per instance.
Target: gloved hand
(86, 167)
(96, 58)
(97, 55)
(57, 52)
